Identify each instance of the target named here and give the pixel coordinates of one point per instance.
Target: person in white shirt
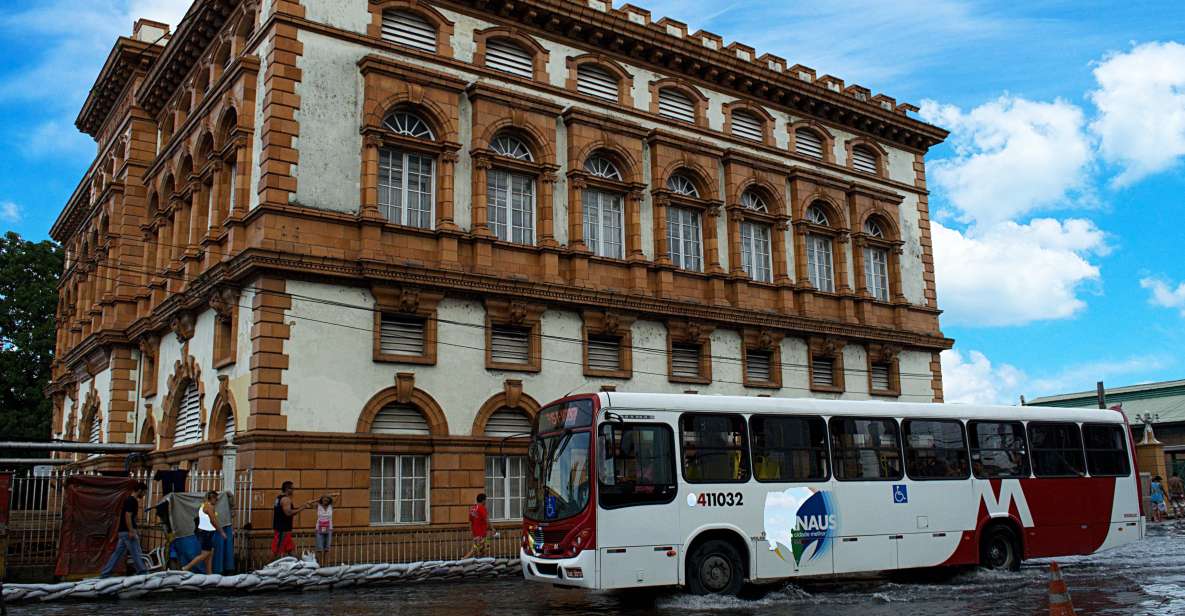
(207, 525)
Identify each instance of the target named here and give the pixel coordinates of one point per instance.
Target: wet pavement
(1144, 578)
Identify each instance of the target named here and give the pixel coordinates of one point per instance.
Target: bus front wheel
(715, 569)
(999, 549)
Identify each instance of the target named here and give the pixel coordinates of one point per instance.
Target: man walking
(479, 528)
(282, 513)
(129, 539)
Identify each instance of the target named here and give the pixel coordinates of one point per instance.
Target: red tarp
(5, 497)
(90, 523)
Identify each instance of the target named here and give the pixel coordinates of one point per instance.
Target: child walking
(324, 529)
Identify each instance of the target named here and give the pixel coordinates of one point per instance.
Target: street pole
(1101, 394)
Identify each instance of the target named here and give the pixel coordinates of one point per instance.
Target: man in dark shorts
(282, 513)
(129, 539)
(479, 527)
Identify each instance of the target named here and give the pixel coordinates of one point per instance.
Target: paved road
(1146, 578)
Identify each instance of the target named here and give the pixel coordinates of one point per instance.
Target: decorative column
(483, 248)
(711, 240)
(662, 247)
(735, 266)
(550, 247)
(843, 288)
(576, 186)
(371, 220)
(633, 241)
(445, 214)
(781, 268)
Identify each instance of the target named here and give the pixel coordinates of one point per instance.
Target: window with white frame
(398, 489)
(407, 179)
(601, 167)
(510, 206)
(506, 480)
(682, 185)
(597, 81)
(684, 239)
(409, 29)
(876, 263)
(604, 226)
(755, 251)
(819, 253)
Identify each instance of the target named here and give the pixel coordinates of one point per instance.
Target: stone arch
(443, 128)
(205, 147)
(539, 53)
(698, 100)
(884, 219)
(185, 372)
(881, 153)
(148, 430)
(504, 400)
(625, 79)
(444, 26)
(541, 147)
(825, 135)
(227, 123)
(223, 405)
(626, 163)
(703, 179)
(834, 211)
(768, 192)
(427, 405)
(91, 413)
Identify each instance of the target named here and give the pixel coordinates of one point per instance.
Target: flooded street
(1145, 578)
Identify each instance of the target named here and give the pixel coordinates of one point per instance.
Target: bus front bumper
(579, 571)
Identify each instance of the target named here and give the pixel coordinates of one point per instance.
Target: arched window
(676, 104)
(229, 429)
(865, 159)
(876, 262)
(597, 81)
(400, 419)
(506, 475)
(756, 251)
(509, 57)
(508, 422)
(819, 252)
(680, 184)
(603, 207)
(808, 143)
(188, 429)
(748, 125)
(95, 437)
(510, 194)
(406, 178)
(410, 30)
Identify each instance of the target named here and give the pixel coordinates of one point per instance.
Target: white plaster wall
(330, 142)
(462, 182)
(913, 285)
(345, 14)
(257, 136)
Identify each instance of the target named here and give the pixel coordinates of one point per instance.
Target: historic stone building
(366, 239)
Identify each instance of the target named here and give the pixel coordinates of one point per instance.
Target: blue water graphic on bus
(801, 521)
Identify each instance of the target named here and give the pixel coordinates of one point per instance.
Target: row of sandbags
(286, 573)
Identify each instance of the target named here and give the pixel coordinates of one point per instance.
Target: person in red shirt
(479, 527)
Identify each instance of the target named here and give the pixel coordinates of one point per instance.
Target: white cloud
(1012, 274)
(1141, 103)
(1164, 295)
(57, 138)
(10, 212)
(971, 377)
(1012, 157)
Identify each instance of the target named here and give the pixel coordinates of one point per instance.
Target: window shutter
(676, 105)
(747, 125)
(508, 422)
(510, 58)
(401, 335)
(863, 159)
(880, 377)
(400, 419)
(685, 360)
(823, 371)
(758, 365)
(96, 429)
(808, 143)
(409, 29)
(510, 345)
(596, 81)
(604, 354)
(189, 420)
(229, 429)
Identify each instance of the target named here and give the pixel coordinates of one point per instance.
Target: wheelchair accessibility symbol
(900, 494)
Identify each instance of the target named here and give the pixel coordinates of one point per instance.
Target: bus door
(637, 537)
(798, 522)
(937, 502)
(868, 475)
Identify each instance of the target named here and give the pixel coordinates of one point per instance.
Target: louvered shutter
(510, 345)
(748, 126)
(604, 354)
(189, 419)
(685, 360)
(509, 57)
(880, 377)
(758, 365)
(863, 159)
(676, 105)
(508, 422)
(401, 335)
(96, 429)
(808, 143)
(229, 429)
(823, 371)
(409, 29)
(596, 81)
(400, 419)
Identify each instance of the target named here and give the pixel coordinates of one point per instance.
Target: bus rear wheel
(715, 569)
(999, 549)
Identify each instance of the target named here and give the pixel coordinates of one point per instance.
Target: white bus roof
(753, 404)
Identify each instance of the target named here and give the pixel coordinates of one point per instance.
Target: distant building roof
(1165, 399)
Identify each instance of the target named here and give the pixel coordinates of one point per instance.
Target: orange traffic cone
(1059, 595)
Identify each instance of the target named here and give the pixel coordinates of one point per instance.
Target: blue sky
(1059, 198)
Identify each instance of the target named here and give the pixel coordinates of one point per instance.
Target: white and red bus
(709, 492)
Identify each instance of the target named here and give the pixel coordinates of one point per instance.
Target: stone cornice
(126, 58)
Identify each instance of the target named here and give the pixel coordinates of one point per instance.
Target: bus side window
(1057, 449)
(998, 449)
(1106, 450)
(715, 448)
(789, 448)
(637, 465)
(866, 449)
(935, 449)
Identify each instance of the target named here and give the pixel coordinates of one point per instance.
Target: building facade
(365, 240)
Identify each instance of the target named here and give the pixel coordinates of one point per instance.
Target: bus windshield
(558, 481)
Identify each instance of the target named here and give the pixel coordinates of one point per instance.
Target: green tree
(29, 273)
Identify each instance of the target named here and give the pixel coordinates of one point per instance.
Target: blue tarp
(185, 548)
